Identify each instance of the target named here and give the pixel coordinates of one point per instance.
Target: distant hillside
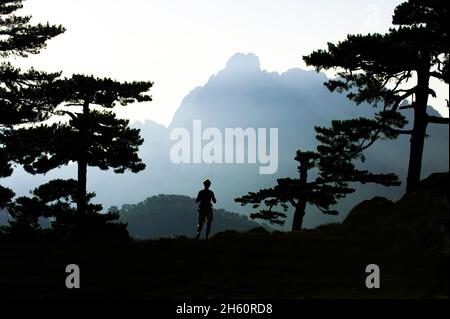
(3, 217)
(172, 215)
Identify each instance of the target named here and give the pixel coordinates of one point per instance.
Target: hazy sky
(179, 44)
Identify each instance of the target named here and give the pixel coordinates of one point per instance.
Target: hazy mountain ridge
(242, 95)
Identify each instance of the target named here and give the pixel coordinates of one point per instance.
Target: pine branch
(438, 120)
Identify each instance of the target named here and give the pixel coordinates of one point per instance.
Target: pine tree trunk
(299, 213)
(82, 182)
(419, 131)
(82, 162)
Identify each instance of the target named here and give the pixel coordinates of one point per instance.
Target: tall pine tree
(378, 69)
(93, 136)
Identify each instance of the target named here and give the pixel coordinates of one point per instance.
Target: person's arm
(197, 200)
(213, 197)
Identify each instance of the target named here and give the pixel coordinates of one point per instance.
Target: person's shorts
(205, 214)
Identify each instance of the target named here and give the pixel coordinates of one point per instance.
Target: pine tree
(335, 171)
(378, 69)
(92, 137)
(25, 97)
(56, 200)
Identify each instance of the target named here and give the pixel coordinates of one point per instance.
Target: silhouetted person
(205, 208)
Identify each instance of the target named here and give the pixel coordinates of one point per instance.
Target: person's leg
(201, 221)
(209, 219)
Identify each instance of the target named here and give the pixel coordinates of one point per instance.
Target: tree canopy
(379, 69)
(25, 97)
(92, 137)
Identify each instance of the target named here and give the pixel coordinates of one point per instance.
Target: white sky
(179, 44)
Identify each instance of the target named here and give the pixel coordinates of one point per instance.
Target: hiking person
(205, 208)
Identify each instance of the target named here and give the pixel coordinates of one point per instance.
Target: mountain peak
(244, 62)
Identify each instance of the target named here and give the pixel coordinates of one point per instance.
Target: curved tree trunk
(82, 162)
(299, 213)
(300, 207)
(419, 131)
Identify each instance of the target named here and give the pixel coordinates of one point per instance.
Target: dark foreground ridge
(407, 239)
